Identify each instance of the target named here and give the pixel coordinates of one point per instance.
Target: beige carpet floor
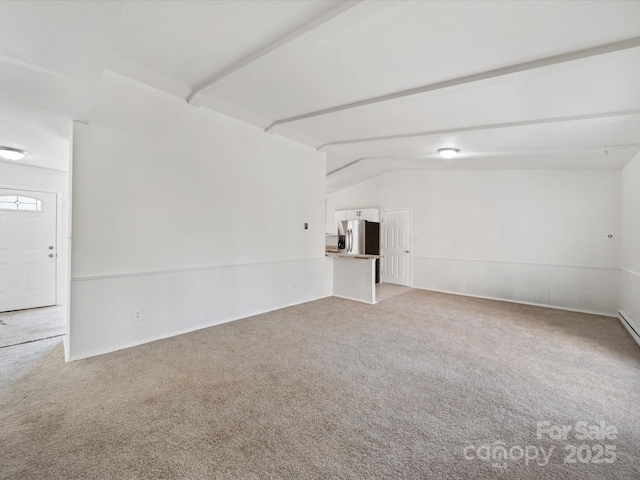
(336, 389)
(385, 291)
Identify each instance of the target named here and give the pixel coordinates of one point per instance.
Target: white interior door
(28, 249)
(396, 247)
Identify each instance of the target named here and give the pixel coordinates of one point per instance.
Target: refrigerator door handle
(350, 241)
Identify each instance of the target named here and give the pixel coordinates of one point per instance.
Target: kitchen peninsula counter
(355, 257)
(354, 276)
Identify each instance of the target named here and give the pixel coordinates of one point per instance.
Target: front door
(27, 249)
(395, 249)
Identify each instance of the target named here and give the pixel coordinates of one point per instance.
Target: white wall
(191, 216)
(43, 179)
(630, 256)
(540, 234)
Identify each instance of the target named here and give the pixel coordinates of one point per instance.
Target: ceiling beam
(491, 74)
(490, 126)
(344, 16)
(506, 153)
(348, 165)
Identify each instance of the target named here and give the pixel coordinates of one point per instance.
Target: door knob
(51, 255)
(50, 247)
(406, 251)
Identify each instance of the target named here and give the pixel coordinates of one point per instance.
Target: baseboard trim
(344, 297)
(65, 343)
(104, 351)
(544, 305)
(630, 324)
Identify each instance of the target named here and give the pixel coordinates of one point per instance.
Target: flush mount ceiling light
(9, 153)
(448, 152)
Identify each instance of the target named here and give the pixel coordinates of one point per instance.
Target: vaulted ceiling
(377, 85)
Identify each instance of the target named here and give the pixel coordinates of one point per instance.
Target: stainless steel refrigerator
(360, 237)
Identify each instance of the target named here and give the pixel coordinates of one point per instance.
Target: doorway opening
(32, 273)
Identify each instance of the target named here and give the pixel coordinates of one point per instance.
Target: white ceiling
(52, 57)
(188, 42)
(377, 85)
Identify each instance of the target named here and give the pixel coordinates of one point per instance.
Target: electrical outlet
(137, 314)
(494, 283)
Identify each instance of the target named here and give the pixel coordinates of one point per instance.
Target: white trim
(352, 299)
(627, 319)
(511, 262)
(520, 302)
(31, 189)
(81, 278)
(68, 236)
(630, 272)
(103, 351)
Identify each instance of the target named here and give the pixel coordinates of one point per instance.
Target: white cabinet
(369, 214)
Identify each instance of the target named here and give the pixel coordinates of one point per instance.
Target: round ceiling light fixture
(9, 153)
(448, 152)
